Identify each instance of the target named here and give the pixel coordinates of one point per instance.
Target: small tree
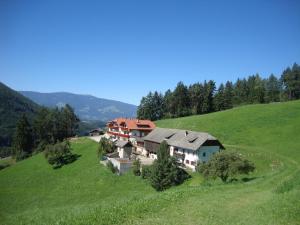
(59, 154)
(23, 140)
(136, 166)
(146, 172)
(105, 146)
(165, 172)
(225, 165)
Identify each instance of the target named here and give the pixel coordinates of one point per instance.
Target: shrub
(146, 172)
(59, 154)
(136, 165)
(225, 165)
(105, 146)
(111, 167)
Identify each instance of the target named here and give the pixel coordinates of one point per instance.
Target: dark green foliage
(228, 95)
(209, 91)
(12, 106)
(165, 172)
(181, 100)
(220, 99)
(291, 82)
(52, 125)
(5, 151)
(146, 172)
(59, 154)
(273, 89)
(136, 167)
(23, 142)
(111, 167)
(196, 98)
(200, 98)
(105, 146)
(225, 165)
(151, 107)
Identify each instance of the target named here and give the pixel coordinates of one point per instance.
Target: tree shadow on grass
(244, 179)
(248, 179)
(68, 159)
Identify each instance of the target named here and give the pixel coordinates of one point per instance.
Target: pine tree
(291, 82)
(219, 98)
(181, 100)
(228, 95)
(23, 140)
(164, 172)
(208, 101)
(196, 98)
(272, 89)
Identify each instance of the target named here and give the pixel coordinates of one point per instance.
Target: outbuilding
(124, 148)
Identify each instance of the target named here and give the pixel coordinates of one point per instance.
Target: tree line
(201, 98)
(49, 127)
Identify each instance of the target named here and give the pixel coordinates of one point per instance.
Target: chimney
(186, 133)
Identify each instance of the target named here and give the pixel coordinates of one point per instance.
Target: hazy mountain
(12, 106)
(87, 107)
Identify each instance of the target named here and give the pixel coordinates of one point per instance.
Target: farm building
(124, 148)
(189, 147)
(96, 132)
(130, 129)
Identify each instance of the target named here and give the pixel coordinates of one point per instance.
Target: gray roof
(121, 143)
(181, 138)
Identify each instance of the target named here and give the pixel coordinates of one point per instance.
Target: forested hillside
(12, 106)
(202, 98)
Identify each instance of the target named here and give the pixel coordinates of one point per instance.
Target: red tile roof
(135, 124)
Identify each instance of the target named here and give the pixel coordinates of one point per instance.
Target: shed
(124, 148)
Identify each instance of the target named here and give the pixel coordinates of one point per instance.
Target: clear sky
(123, 49)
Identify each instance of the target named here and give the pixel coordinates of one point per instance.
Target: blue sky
(123, 49)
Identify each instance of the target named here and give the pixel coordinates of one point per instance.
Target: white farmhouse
(189, 147)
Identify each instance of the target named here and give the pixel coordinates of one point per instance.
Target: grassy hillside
(84, 192)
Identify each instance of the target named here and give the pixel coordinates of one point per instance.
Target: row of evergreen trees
(200, 98)
(48, 127)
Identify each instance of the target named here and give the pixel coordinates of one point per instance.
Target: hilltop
(87, 193)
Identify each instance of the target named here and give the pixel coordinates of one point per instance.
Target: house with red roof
(130, 129)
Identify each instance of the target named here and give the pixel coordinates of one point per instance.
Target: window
(204, 154)
(193, 163)
(187, 161)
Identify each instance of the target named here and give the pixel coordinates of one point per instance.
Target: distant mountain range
(87, 107)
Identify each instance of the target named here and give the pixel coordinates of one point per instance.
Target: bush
(136, 165)
(111, 167)
(225, 165)
(105, 146)
(59, 154)
(146, 172)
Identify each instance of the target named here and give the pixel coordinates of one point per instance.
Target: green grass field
(84, 192)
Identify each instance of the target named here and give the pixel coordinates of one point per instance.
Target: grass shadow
(68, 159)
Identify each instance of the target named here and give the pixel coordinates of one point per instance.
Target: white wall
(195, 156)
